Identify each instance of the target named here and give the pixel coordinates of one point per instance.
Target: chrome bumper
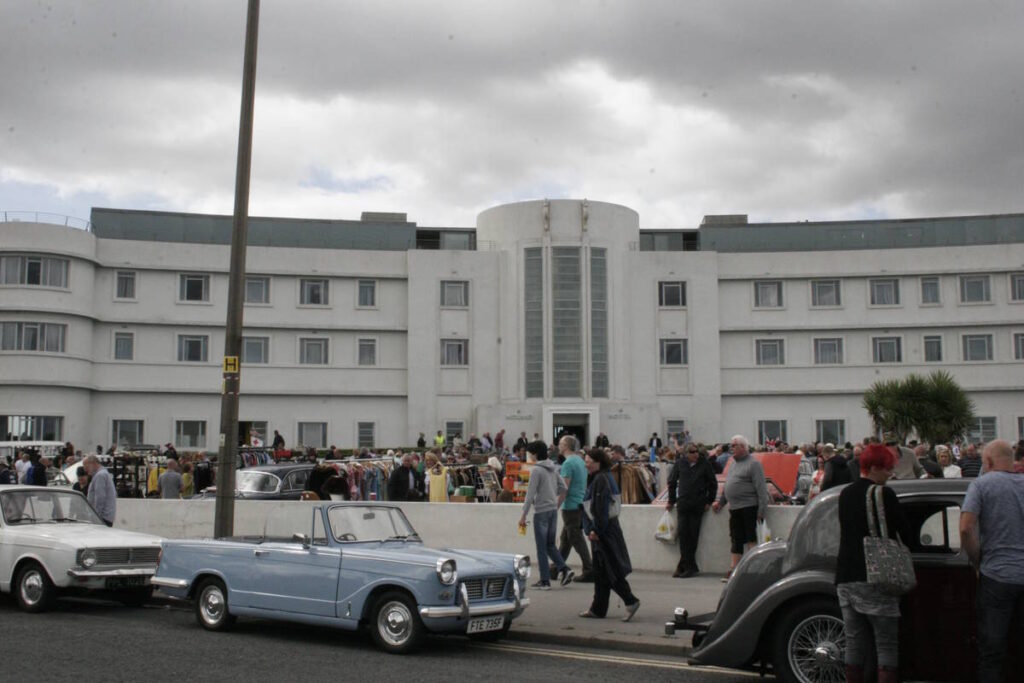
(107, 573)
(466, 610)
(162, 582)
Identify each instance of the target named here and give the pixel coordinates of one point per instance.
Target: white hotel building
(547, 315)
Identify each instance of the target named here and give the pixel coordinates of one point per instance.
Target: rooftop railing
(43, 217)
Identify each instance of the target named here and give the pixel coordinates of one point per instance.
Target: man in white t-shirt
(23, 467)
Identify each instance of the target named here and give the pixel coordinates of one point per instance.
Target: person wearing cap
(82, 485)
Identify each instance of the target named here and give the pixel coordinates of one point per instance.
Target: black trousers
(572, 535)
(688, 528)
(603, 586)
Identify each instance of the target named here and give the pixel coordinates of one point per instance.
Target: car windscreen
(46, 506)
(249, 481)
(368, 523)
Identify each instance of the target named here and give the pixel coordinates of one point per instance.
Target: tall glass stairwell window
(533, 321)
(599, 323)
(566, 323)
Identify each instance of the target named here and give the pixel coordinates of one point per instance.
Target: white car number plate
(485, 624)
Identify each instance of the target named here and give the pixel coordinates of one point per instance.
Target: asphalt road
(92, 640)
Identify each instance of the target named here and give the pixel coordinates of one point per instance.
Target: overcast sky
(781, 110)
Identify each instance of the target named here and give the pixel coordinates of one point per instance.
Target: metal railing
(44, 217)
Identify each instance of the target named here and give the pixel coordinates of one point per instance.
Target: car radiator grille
(127, 555)
(490, 588)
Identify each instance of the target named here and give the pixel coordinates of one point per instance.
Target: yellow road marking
(610, 659)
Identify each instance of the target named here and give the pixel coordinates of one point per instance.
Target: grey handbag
(887, 561)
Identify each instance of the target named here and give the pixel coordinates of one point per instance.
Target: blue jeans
(545, 528)
(996, 604)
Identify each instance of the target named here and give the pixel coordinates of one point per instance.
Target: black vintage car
(268, 482)
(780, 613)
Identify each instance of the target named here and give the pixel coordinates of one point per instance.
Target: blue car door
(289, 577)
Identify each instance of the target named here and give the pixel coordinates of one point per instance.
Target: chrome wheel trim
(31, 587)
(815, 650)
(212, 605)
(395, 623)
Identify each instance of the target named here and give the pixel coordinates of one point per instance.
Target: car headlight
(522, 566)
(87, 559)
(446, 572)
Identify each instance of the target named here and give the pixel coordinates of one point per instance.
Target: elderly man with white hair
(746, 494)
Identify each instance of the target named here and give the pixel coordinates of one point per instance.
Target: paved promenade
(553, 615)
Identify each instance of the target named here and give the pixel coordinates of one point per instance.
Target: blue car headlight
(447, 573)
(522, 566)
(87, 558)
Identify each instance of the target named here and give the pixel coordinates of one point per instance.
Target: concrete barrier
(483, 526)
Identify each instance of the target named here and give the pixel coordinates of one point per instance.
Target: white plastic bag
(666, 530)
(764, 534)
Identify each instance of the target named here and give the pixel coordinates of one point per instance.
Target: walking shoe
(567, 576)
(728, 575)
(542, 585)
(690, 573)
(585, 577)
(587, 614)
(631, 610)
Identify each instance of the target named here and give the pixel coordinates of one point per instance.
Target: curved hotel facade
(547, 316)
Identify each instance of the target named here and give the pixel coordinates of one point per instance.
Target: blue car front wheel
(395, 624)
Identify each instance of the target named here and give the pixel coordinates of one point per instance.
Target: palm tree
(935, 407)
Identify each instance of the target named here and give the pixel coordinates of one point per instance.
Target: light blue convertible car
(361, 565)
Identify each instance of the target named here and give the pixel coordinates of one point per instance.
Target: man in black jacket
(405, 483)
(692, 488)
(837, 470)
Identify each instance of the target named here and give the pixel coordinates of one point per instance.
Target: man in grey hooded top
(546, 491)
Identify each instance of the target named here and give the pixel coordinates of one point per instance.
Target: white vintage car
(52, 542)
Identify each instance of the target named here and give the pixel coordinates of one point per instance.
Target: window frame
(815, 295)
(1016, 288)
(965, 341)
(663, 288)
(875, 349)
(113, 350)
(266, 349)
(114, 431)
(816, 341)
(325, 284)
(44, 273)
(684, 352)
(359, 351)
(876, 282)
(924, 347)
(778, 342)
(360, 443)
(938, 290)
(462, 285)
(265, 279)
(964, 281)
(372, 284)
(299, 429)
(204, 434)
(819, 432)
(183, 341)
(762, 432)
(305, 341)
(779, 293)
(117, 285)
(977, 431)
(453, 341)
(1018, 345)
(44, 332)
(183, 279)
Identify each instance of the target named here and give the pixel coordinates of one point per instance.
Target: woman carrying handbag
(869, 588)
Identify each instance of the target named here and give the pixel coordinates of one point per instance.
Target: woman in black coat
(608, 546)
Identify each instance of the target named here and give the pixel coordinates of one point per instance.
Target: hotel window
(674, 352)
(885, 292)
(190, 434)
(31, 428)
(930, 291)
(1018, 346)
(974, 289)
(257, 290)
(1017, 287)
(598, 323)
(828, 351)
(671, 294)
(933, 349)
(40, 271)
(367, 352)
(567, 331)
(255, 350)
(771, 430)
(983, 430)
(825, 293)
(770, 351)
(193, 348)
(313, 434)
(533, 322)
(312, 351)
(366, 434)
(32, 337)
(768, 294)
(454, 293)
(124, 346)
(127, 433)
(454, 352)
(367, 293)
(453, 428)
(977, 347)
(830, 431)
(194, 288)
(886, 350)
(125, 288)
(313, 292)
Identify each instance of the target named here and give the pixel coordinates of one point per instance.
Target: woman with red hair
(867, 611)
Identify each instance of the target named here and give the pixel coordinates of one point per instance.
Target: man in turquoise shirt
(574, 471)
